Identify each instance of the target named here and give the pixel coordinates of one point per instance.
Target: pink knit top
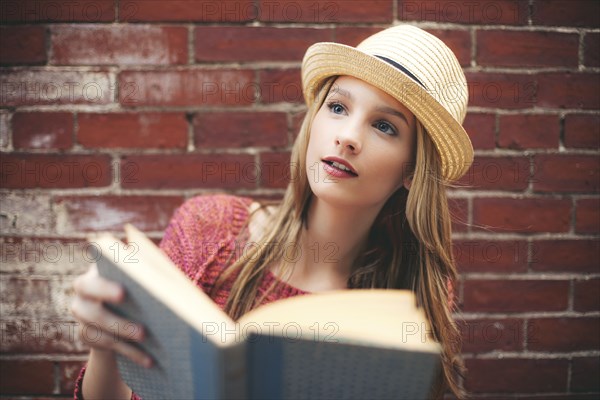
(201, 237)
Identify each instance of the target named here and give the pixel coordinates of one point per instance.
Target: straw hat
(414, 67)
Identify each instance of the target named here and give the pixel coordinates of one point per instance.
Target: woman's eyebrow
(391, 111)
(342, 92)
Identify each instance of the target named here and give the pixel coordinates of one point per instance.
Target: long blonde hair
(409, 246)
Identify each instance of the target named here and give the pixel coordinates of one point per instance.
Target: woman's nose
(350, 140)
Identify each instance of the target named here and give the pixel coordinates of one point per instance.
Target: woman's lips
(336, 172)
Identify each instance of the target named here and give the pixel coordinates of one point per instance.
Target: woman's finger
(91, 312)
(92, 285)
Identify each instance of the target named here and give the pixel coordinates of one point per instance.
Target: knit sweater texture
(200, 239)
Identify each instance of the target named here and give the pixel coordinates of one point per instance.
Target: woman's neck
(334, 238)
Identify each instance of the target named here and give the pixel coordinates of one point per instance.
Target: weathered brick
(582, 131)
(586, 296)
(568, 90)
(566, 173)
(191, 87)
(566, 13)
(497, 173)
(105, 45)
(498, 12)
(336, 11)
(22, 171)
(496, 256)
(26, 213)
(22, 45)
(223, 171)
(565, 255)
(587, 216)
(522, 215)
(529, 131)
(481, 129)
(187, 11)
(507, 296)
(484, 335)
(504, 48)
(276, 170)
(42, 130)
(280, 85)
(240, 129)
(100, 213)
(584, 374)
(563, 334)
(36, 86)
(507, 375)
(22, 377)
(501, 90)
(34, 11)
(132, 130)
(221, 43)
(591, 55)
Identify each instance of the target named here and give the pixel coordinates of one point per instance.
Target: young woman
(381, 139)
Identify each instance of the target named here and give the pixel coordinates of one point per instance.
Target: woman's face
(368, 130)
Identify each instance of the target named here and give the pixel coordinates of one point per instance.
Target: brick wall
(116, 111)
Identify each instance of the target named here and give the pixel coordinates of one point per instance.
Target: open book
(347, 344)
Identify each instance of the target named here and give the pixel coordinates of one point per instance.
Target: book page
(382, 317)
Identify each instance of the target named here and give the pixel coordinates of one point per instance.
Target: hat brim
(323, 60)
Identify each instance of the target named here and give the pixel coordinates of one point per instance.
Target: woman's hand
(101, 329)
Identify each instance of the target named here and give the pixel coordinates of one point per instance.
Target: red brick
(109, 212)
(584, 374)
(325, 11)
(22, 45)
(191, 87)
(566, 173)
(35, 336)
(568, 90)
(187, 10)
(566, 13)
(484, 335)
(496, 256)
(280, 85)
(223, 171)
(586, 295)
(68, 373)
(36, 86)
(32, 11)
(42, 130)
(138, 130)
(21, 293)
(505, 296)
(565, 255)
(459, 41)
(352, 36)
(503, 12)
(24, 377)
(516, 375)
(582, 131)
(22, 171)
(240, 129)
(118, 44)
(4, 128)
(563, 334)
(522, 215)
(538, 131)
(297, 120)
(591, 55)
(42, 256)
(501, 90)
(276, 170)
(459, 211)
(482, 130)
(505, 48)
(587, 216)
(497, 173)
(236, 43)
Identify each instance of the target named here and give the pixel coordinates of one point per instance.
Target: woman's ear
(408, 181)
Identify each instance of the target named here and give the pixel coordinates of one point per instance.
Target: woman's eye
(336, 108)
(385, 127)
